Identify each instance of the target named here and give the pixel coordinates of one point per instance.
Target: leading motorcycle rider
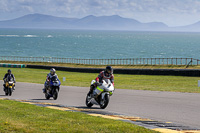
(107, 74)
(5, 77)
(49, 76)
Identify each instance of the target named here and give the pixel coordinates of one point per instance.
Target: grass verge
(122, 81)
(21, 117)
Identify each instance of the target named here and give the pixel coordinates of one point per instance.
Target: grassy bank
(122, 81)
(20, 117)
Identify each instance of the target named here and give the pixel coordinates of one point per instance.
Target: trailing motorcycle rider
(49, 76)
(9, 73)
(107, 74)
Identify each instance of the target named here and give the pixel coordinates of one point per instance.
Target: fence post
(167, 61)
(181, 61)
(136, 61)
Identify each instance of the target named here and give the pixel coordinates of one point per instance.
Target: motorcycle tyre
(6, 91)
(9, 91)
(89, 105)
(47, 96)
(55, 94)
(106, 101)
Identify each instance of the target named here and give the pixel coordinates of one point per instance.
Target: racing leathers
(46, 84)
(102, 76)
(5, 78)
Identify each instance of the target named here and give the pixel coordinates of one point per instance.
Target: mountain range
(115, 22)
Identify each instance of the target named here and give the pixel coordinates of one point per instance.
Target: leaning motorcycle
(101, 94)
(53, 89)
(9, 86)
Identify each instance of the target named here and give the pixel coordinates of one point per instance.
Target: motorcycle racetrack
(181, 110)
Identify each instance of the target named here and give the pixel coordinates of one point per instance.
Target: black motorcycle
(53, 88)
(9, 85)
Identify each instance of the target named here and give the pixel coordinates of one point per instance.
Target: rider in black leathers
(5, 77)
(49, 76)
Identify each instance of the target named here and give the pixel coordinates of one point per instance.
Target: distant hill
(37, 21)
(91, 22)
(114, 22)
(193, 27)
(107, 22)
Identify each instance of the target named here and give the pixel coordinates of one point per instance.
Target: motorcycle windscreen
(54, 78)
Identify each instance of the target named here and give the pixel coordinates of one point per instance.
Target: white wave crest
(49, 36)
(9, 35)
(30, 36)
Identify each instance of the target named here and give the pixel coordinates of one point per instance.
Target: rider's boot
(4, 87)
(44, 90)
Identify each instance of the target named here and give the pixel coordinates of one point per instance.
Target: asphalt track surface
(179, 108)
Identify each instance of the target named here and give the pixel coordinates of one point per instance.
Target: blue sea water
(98, 44)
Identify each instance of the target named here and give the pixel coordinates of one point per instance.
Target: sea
(92, 44)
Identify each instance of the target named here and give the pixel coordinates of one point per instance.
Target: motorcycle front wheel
(88, 104)
(9, 91)
(55, 94)
(104, 102)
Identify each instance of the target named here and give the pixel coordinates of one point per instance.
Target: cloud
(176, 6)
(3, 6)
(144, 10)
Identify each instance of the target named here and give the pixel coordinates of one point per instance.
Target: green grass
(122, 81)
(16, 117)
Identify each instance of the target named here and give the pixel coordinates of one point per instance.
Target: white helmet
(52, 71)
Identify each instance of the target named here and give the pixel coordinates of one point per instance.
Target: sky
(171, 12)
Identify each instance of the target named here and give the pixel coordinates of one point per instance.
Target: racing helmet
(9, 71)
(53, 71)
(109, 70)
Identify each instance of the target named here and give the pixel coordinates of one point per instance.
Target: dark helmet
(52, 71)
(109, 70)
(9, 71)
